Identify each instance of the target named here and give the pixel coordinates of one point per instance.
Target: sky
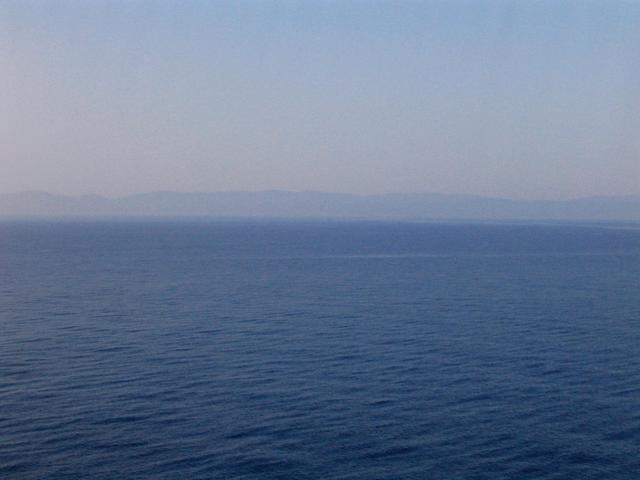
(519, 99)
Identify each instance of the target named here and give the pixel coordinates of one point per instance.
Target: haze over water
(158, 341)
(273, 350)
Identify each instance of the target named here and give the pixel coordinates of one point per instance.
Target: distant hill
(321, 205)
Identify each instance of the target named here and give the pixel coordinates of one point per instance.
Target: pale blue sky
(519, 99)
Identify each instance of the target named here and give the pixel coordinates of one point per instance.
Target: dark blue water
(230, 350)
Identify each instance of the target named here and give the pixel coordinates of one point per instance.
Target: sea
(277, 349)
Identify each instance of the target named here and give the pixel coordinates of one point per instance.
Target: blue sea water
(318, 350)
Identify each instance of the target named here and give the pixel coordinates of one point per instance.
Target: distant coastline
(321, 205)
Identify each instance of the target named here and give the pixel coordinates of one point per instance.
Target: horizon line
(301, 192)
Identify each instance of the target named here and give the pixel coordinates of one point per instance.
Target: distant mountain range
(397, 206)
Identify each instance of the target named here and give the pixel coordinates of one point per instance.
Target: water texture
(300, 350)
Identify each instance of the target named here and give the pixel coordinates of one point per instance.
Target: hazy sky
(523, 99)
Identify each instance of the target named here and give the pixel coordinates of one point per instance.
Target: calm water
(318, 351)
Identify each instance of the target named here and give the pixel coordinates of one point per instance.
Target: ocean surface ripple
(302, 350)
